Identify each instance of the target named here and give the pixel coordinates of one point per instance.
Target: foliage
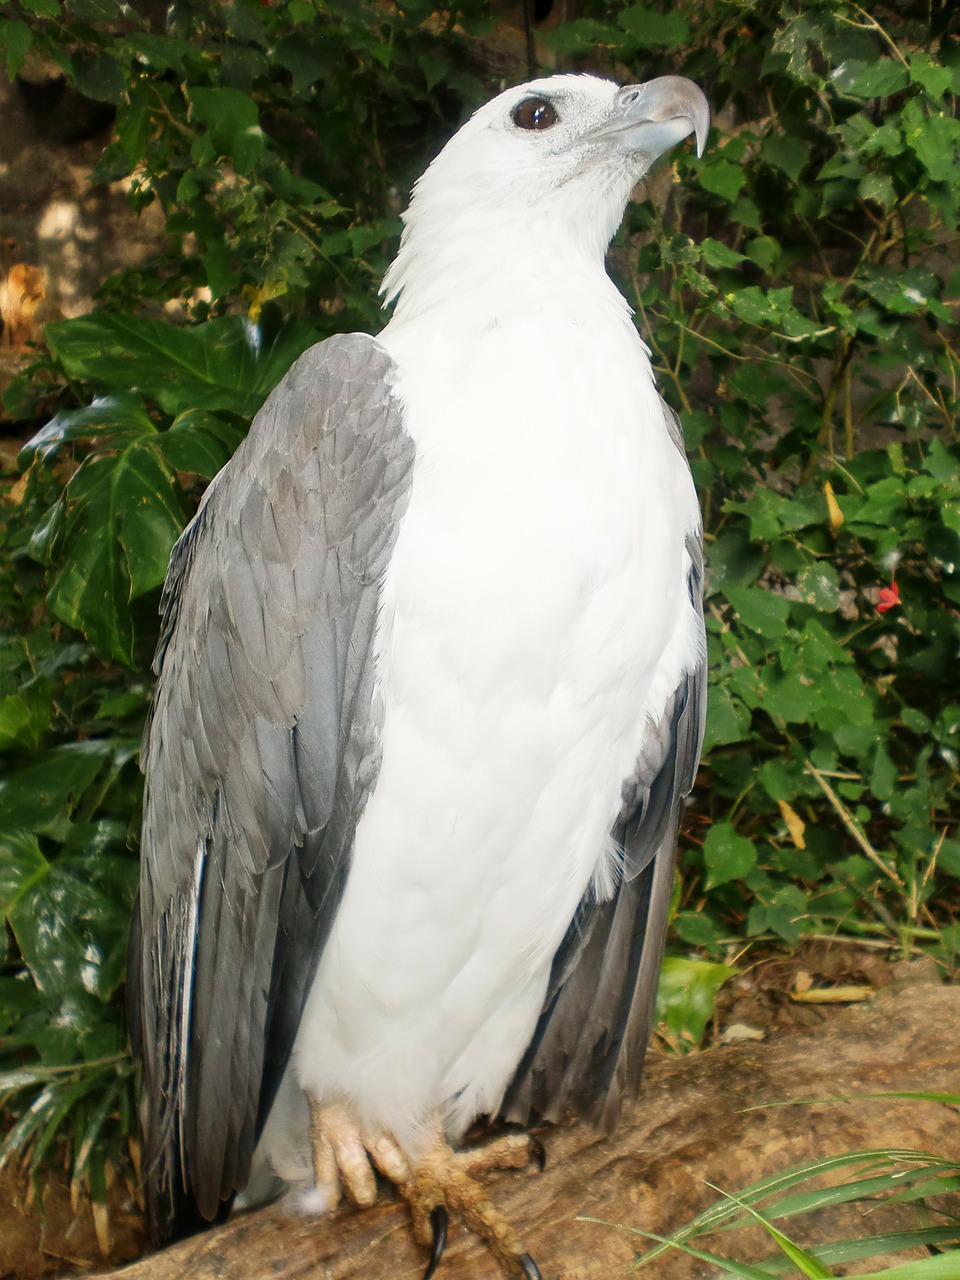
(797, 300)
(796, 291)
(263, 131)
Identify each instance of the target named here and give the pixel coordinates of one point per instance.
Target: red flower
(889, 597)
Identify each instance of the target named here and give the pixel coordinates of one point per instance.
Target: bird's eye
(534, 113)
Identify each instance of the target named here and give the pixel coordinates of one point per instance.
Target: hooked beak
(653, 117)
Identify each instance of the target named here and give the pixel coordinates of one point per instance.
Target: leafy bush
(796, 291)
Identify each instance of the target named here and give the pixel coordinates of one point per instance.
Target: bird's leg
(344, 1155)
(443, 1180)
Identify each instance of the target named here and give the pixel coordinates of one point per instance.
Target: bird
(430, 697)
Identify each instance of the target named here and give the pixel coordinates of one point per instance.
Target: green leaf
(652, 28)
(307, 59)
(870, 79)
(121, 516)
(40, 795)
(935, 79)
(698, 929)
(781, 779)
(15, 42)
(728, 720)
(687, 993)
(883, 777)
(722, 178)
(233, 122)
(941, 1266)
(793, 696)
(42, 8)
(719, 255)
(163, 53)
(786, 911)
(226, 364)
(580, 36)
(734, 561)
(200, 442)
(760, 610)
(819, 585)
(122, 416)
(71, 919)
(941, 463)
(787, 152)
(878, 187)
(98, 75)
(727, 855)
(764, 251)
(23, 721)
(21, 866)
(92, 10)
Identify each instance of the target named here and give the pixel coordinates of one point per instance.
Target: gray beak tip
(701, 126)
(692, 104)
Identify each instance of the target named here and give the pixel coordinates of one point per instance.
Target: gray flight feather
(259, 755)
(591, 1038)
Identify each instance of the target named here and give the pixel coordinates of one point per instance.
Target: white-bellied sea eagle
(430, 698)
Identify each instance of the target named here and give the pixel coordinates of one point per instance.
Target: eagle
(431, 687)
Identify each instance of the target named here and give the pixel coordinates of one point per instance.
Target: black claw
(529, 1267)
(438, 1221)
(538, 1152)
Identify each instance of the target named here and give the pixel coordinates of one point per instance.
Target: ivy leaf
(784, 914)
(233, 122)
(687, 994)
(883, 776)
(728, 720)
(718, 255)
(818, 585)
(931, 76)
(759, 610)
(764, 251)
(652, 28)
(727, 855)
(787, 152)
(722, 178)
(870, 79)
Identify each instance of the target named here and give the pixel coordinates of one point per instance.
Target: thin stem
(852, 825)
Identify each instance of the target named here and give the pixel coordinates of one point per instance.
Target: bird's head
(556, 155)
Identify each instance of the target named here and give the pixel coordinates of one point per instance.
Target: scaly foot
(443, 1180)
(345, 1157)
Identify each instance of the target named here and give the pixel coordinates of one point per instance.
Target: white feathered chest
(536, 587)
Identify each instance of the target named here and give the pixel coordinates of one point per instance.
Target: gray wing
(591, 1038)
(259, 755)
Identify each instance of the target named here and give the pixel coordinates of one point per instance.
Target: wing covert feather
(259, 754)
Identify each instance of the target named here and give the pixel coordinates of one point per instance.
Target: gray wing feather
(259, 755)
(591, 1038)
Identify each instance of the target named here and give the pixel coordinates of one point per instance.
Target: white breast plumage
(536, 583)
